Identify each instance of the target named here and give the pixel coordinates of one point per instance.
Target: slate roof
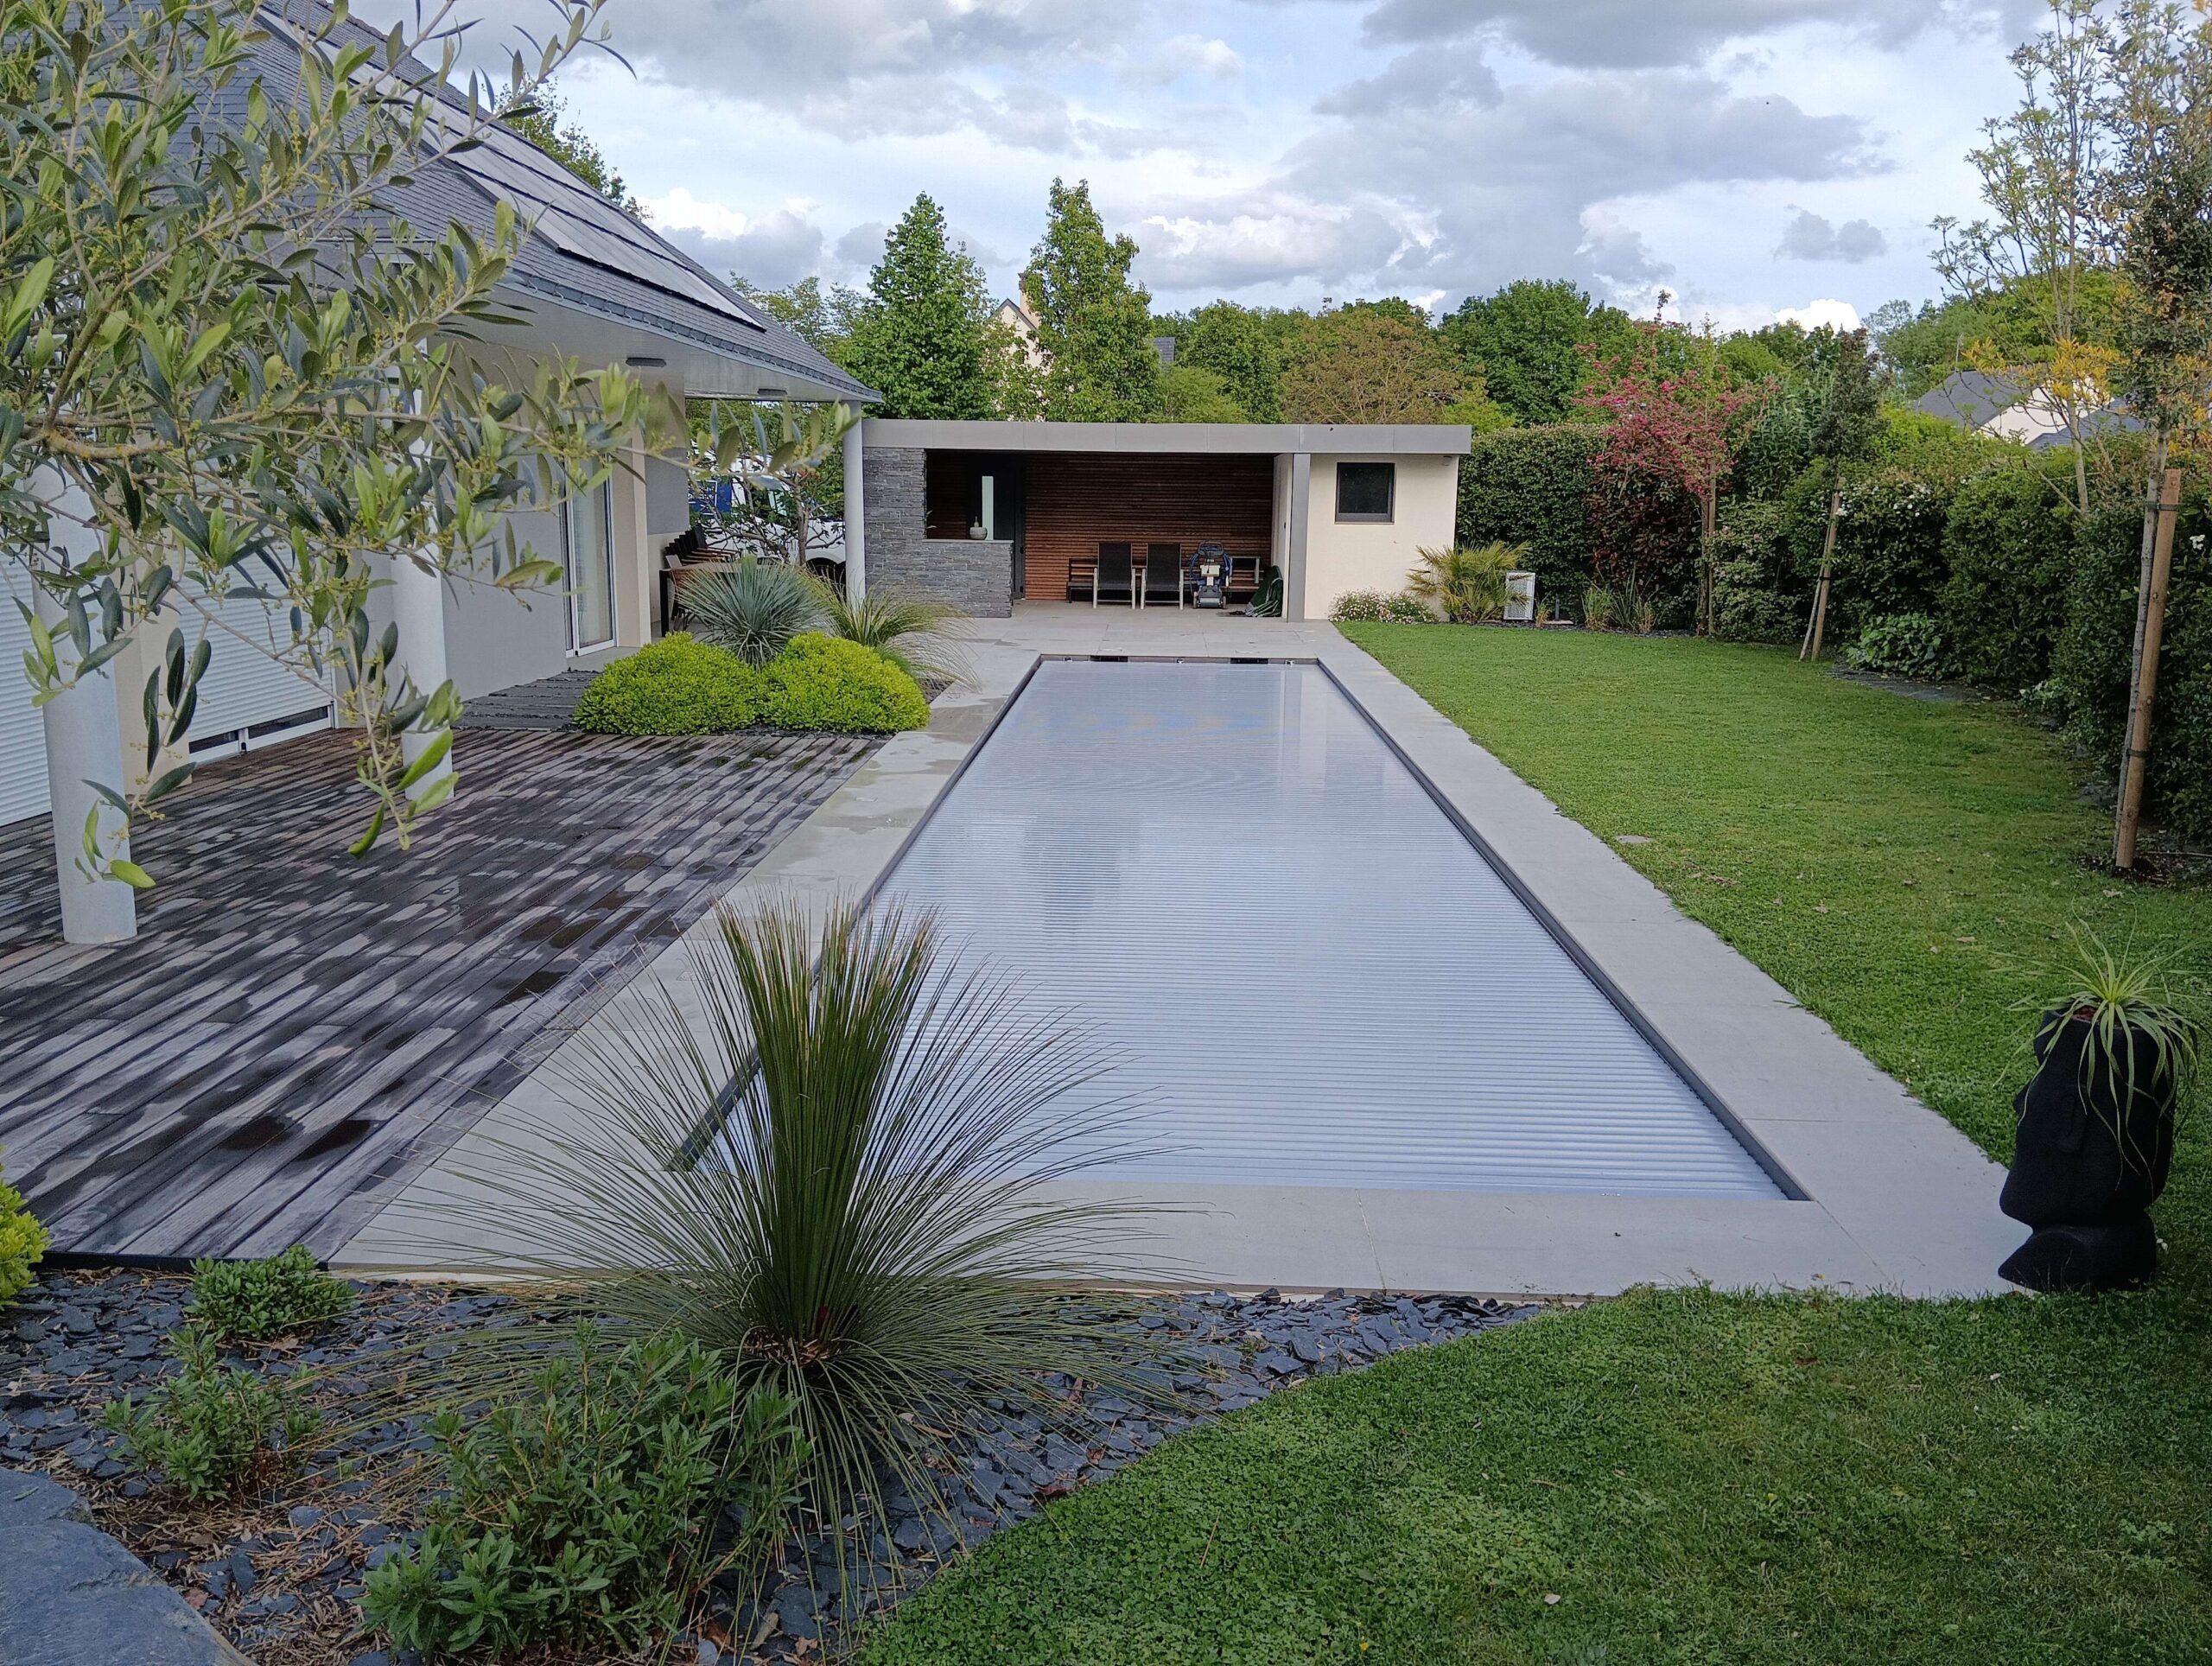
(582, 251)
(1970, 398)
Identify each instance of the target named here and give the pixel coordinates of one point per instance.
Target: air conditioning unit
(1520, 598)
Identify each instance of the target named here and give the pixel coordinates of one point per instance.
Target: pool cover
(1316, 979)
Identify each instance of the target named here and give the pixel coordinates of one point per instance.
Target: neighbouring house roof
(1159, 439)
(2005, 405)
(593, 279)
(1970, 397)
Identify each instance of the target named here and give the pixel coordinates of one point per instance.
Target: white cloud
(678, 210)
(1189, 54)
(1812, 237)
(1839, 314)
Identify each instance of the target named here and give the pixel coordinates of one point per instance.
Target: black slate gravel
(74, 1341)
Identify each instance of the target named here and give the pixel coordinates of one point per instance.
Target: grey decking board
(257, 899)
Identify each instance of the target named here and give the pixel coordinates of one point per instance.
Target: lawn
(1684, 1476)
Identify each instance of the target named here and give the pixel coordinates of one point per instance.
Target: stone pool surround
(1895, 1198)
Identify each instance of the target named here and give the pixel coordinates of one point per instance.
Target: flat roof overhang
(1159, 439)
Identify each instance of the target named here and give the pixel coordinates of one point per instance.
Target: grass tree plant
(913, 631)
(832, 1159)
(753, 607)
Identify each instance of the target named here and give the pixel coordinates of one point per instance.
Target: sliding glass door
(590, 540)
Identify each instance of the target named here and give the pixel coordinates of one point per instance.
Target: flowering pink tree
(1678, 421)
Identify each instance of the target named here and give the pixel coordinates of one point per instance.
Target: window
(588, 534)
(1364, 491)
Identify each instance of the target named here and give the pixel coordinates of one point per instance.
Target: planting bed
(281, 1573)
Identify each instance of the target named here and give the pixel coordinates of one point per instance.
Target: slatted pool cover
(1315, 978)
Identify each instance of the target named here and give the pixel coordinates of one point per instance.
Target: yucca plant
(1465, 583)
(753, 607)
(913, 631)
(2142, 1039)
(831, 1164)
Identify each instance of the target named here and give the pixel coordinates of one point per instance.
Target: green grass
(1700, 1478)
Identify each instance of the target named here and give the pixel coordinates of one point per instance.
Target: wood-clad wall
(1077, 500)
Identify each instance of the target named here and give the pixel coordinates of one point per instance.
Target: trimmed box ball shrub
(2089, 668)
(675, 686)
(23, 1241)
(2009, 543)
(826, 683)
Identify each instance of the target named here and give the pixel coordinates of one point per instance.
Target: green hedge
(2009, 548)
(2090, 670)
(826, 683)
(682, 686)
(1531, 486)
(677, 685)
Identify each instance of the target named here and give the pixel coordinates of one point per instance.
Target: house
(2011, 407)
(590, 283)
(985, 514)
(1015, 317)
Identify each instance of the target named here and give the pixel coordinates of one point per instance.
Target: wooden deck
(293, 1030)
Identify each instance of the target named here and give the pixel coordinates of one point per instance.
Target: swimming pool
(1316, 978)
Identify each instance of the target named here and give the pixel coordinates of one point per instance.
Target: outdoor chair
(1163, 574)
(1114, 572)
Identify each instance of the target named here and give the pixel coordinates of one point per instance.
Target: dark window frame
(1389, 511)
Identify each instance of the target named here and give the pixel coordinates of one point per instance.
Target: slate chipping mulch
(281, 1575)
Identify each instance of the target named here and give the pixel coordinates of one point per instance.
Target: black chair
(1115, 572)
(1163, 573)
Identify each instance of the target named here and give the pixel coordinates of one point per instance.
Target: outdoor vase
(2083, 1189)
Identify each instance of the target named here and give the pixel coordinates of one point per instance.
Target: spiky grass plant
(831, 1160)
(913, 631)
(1465, 583)
(2125, 999)
(753, 607)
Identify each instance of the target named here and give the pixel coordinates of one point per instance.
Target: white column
(84, 743)
(855, 514)
(1301, 504)
(418, 608)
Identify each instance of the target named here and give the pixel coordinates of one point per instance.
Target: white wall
(1347, 555)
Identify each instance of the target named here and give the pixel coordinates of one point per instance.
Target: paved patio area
(1895, 1198)
(294, 1033)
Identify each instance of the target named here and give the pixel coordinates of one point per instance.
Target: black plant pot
(2086, 1163)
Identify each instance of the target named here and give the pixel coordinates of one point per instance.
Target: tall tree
(1380, 361)
(922, 334)
(2159, 192)
(537, 113)
(1094, 324)
(1678, 417)
(228, 368)
(2050, 230)
(1241, 345)
(821, 317)
(1192, 393)
(1531, 344)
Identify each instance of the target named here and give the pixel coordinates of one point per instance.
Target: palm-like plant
(913, 631)
(2137, 1019)
(753, 607)
(834, 1169)
(1465, 583)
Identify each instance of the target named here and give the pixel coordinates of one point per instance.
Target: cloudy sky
(1752, 156)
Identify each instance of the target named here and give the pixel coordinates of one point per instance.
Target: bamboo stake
(2145, 687)
(1708, 515)
(1818, 624)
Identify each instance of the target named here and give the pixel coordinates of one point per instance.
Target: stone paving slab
(72, 1596)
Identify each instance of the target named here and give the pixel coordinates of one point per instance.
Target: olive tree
(228, 366)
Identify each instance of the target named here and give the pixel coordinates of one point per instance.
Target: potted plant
(2115, 1056)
